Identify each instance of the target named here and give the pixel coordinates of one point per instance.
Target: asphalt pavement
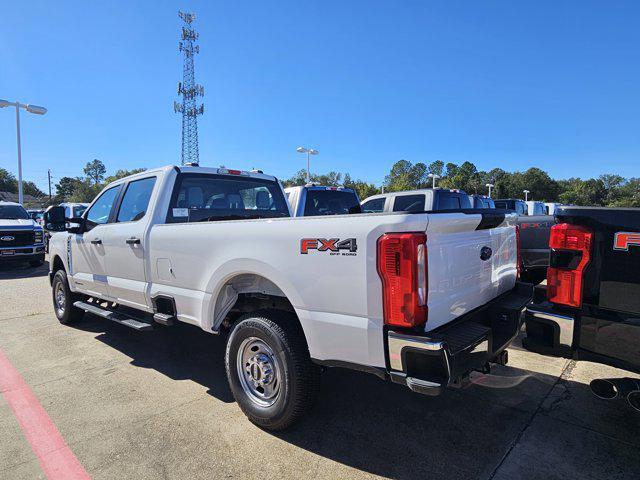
(154, 405)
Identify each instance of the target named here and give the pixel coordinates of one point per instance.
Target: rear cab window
(199, 197)
(330, 202)
(452, 200)
(409, 203)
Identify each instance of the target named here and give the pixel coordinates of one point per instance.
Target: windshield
(13, 212)
(203, 197)
(331, 202)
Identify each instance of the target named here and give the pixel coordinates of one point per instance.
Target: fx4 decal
(334, 246)
(624, 240)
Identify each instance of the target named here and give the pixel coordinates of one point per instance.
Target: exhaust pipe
(633, 399)
(613, 388)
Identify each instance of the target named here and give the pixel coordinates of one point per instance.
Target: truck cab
(536, 208)
(313, 200)
(513, 204)
(425, 200)
(481, 201)
(21, 237)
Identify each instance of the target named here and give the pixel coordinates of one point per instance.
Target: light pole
(433, 178)
(31, 109)
(526, 195)
(490, 186)
(308, 151)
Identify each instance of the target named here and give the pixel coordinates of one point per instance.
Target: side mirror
(53, 219)
(75, 225)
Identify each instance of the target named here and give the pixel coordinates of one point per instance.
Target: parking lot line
(56, 459)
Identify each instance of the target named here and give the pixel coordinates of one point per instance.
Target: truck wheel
(269, 369)
(63, 299)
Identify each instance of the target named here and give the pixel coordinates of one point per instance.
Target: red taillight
(402, 266)
(235, 172)
(564, 281)
(518, 254)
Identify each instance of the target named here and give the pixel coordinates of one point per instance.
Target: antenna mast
(190, 92)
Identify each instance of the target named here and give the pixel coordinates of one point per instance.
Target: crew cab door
(125, 245)
(87, 252)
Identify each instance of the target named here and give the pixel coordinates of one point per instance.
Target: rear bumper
(429, 363)
(548, 331)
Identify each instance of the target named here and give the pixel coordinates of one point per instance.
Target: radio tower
(190, 92)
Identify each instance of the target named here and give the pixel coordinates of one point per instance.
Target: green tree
(66, 187)
(30, 188)
(436, 167)
(8, 182)
(85, 192)
(362, 188)
(121, 174)
(95, 171)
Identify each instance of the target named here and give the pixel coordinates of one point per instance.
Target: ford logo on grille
(7, 238)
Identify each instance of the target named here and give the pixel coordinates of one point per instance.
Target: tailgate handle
(133, 241)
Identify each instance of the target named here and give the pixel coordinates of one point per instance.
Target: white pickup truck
(421, 299)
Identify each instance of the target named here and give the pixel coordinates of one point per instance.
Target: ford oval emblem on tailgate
(485, 253)
(7, 238)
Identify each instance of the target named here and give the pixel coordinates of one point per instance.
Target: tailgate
(470, 262)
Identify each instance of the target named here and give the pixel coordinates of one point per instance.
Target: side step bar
(120, 318)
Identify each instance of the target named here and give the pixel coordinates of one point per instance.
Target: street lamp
(31, 109)
(526, 195)
(433, 178)
(308, 151)
(490, 186)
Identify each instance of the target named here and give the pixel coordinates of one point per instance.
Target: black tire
(65, 312)
(297, 379)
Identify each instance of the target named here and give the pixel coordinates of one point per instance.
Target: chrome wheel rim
(59, 298)
(259, 371)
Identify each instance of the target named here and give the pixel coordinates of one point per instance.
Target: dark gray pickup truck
(534, 239)
(590, 308)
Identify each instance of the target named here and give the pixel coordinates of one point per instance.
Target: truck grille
(15, 238)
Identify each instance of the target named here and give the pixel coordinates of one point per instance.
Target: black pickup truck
(591, 309)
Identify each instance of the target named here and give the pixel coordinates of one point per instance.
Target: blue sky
(366, 82)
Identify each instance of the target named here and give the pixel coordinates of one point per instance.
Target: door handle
(96, 241)
(133, 241)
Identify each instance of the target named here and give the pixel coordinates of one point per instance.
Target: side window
(373, 206)
(99, 213)
(136, 200)
(409, 203)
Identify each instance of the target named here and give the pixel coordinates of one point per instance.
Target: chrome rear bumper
(445, 357)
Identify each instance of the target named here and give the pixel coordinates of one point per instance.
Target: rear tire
(269, 369)
(63, 299)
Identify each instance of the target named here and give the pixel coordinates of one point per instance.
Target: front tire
(269, 369)
(63, 299)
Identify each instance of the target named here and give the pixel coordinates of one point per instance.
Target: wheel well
(57, 264)
(248, 293)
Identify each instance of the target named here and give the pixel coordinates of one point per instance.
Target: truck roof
(317, 187)
(420, 191)
(197, 169)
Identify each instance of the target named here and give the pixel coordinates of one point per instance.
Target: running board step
(164, 319)
(114, 316)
